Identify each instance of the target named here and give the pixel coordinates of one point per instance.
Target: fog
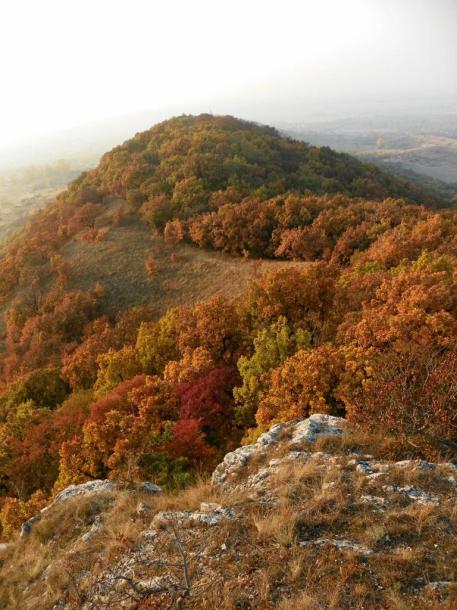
(83, 73)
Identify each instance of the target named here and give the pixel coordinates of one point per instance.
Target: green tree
(157, 343)
(271, 347)
(116, 367)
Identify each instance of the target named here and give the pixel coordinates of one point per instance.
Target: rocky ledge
(271, 506)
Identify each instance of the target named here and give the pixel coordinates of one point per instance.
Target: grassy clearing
(183, 273)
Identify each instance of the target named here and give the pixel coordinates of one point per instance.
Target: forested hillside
(356, 314)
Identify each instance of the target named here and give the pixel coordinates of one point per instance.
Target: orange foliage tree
(320, 380)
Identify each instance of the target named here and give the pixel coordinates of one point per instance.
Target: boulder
(413, 493)
(151, 489)
(83, 489)
(342, 545)
(27, 526)
(89, 488)
(294, 432)
(318, 425)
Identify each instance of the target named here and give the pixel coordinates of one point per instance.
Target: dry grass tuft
(302, 601)
(279, 526)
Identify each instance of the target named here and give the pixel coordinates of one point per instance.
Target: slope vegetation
(143, 339)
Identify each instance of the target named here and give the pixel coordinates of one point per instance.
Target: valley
(19, 202)
(421, 145)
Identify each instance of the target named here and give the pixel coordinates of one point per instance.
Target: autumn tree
(84, 217)
(194, 362)
(151, 266)
(30, 441)
(174, 232)
(114, 367)
(319, 380)
(157, 211)
(303, 297)
(208, 399)
(410, 394)
(214, 324)
(43, 387)
(416, 304)
(80, 362)
(39, 340)
(157, 342)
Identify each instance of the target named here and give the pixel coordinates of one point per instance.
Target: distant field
(27, 189)
(18, 202)
(434, 156)
(423, 145)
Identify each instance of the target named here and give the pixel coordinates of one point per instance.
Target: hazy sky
(69, 62)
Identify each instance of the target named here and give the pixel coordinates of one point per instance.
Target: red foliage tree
(209, 400)
(189, 441)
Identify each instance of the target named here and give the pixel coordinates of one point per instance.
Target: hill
(419, 147)
(190, 158)
(209, 279)
(180, 169)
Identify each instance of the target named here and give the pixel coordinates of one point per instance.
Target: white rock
(301, 456)
(272, 436)
(442, 586)
(376, 475)
(260, 476)
(414, 493)
(376, 501)
(363, 467)
(84, 489)
(27, 526)
(208, 507)
(345, 545)
(87, 536)
(300, 430)
(415, 464)
(232, 462)
(329, 485)
(156, 584)
(189, 518)
(369, 468)
(317, 425)
(149, 534)
(275, 462)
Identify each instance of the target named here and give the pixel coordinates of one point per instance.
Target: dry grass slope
(183, 273)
